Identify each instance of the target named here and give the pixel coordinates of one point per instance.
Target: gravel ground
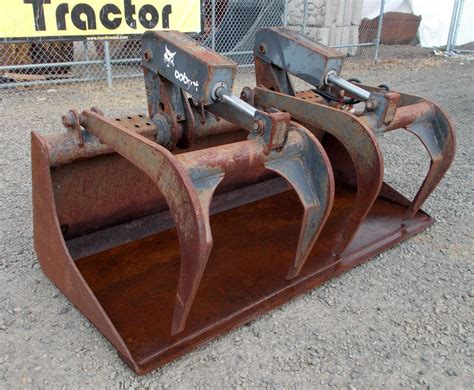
(405, 319)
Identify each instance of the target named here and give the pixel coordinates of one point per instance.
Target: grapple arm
(175, 67)
(280, 51)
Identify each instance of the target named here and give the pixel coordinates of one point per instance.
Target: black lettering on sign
(129, 12)
(148, 16)
(83, 9)
(38, 13)
(111, 16)
(61, 12)
(105, 12)
(165, 16)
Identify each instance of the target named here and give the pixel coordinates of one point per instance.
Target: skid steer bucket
(168, 230)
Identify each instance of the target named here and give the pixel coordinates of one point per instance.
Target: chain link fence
(229, 27)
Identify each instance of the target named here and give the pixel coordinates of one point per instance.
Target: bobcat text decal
(185, 79)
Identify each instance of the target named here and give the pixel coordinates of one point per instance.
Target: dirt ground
(404, 319)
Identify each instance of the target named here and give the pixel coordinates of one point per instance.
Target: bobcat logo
(168, 58)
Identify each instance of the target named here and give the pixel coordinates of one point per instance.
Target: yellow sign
(27, 19)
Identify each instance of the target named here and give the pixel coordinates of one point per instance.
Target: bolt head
(65, 121)
(371, 104)
(69, 119)
(148, 55)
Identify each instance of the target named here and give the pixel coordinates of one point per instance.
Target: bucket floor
(245, 277)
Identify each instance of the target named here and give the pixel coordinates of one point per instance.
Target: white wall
(371, 8)
(436, 18)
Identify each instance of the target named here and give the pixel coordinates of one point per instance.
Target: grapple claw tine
(189, 208)
(191, 271)
(310, 174)
(359, 142)
(438, 137)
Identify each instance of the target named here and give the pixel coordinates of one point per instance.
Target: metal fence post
(285, 14)
(453, 26)
(305, 16)
(379, 30)
(456, 29)
(107, 63)
(213, 25)
(86, 49)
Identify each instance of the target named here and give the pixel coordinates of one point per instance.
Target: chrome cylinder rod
(351, 89)
(222, 93)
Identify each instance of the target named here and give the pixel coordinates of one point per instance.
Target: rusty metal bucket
(124, 209)
(127, 291)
